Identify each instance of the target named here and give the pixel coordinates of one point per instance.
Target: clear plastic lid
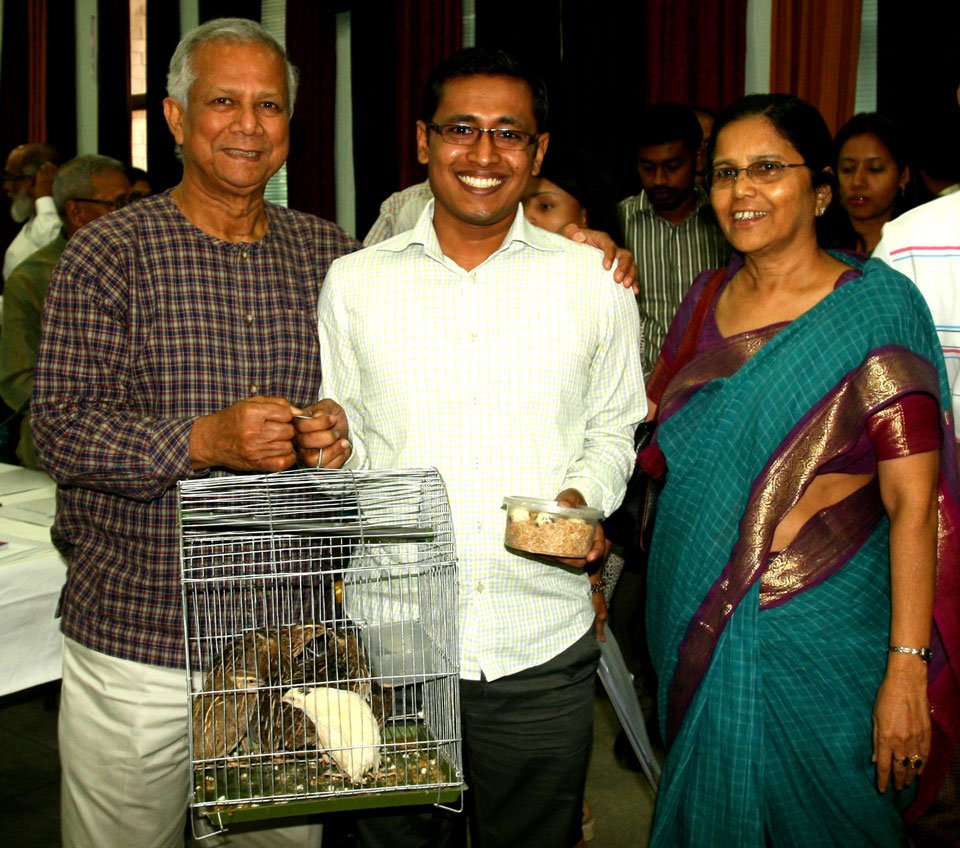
(585, 513)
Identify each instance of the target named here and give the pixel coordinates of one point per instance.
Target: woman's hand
(614, 256)
(901, 722)
(901, 713)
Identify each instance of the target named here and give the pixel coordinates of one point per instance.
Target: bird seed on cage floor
(409, 758)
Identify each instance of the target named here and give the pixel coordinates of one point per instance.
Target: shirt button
(479, 588)
(243, 254)
(248, 317)
(253, 388)
(479, 527)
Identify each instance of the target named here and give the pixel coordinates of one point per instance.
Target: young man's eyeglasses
(504, 138)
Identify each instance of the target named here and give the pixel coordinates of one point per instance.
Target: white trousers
(126, 762)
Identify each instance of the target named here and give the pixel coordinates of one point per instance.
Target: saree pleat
(767, 685)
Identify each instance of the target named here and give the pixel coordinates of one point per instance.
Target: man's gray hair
(182, 74)
(35, 155)
(75, 178)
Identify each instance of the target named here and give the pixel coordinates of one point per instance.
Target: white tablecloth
(31, 576)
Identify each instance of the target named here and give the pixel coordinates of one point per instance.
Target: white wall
(343, 133)
(86, 23)
(759, 17)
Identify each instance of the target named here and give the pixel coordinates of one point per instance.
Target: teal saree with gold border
(768, 666)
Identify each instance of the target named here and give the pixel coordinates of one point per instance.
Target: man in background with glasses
(506, 357)
(28, 182)
(84, 189)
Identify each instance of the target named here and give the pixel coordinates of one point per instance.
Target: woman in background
(571, 189)
(872, 166)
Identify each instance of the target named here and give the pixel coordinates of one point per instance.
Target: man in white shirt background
(507, 358)
(924, 244)
(28, 182)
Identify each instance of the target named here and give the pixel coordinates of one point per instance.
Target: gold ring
(901, 761)
(916, 761)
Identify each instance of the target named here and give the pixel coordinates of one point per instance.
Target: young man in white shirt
(506, 357)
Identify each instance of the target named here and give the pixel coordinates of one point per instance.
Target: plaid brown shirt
(150, 323)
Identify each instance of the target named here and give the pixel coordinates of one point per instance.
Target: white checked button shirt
(520, 377)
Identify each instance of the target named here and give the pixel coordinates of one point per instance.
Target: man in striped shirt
(669, 226)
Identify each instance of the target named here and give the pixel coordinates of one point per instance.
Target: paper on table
(22, 480)
(13, 548)
(38, 511)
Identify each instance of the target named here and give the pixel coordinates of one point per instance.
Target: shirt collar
(702, 200)
(521, 232)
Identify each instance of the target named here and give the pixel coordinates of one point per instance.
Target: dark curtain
(602, 60)
(210, 9)
(60, 94)
(311, 43)
(14, 76)
(394, 46)
(163, 35)
(113, 72)
(535, 37)
(918, 71)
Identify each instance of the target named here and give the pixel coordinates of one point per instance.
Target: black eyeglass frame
(531, 138)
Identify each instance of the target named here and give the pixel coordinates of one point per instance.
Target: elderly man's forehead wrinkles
(212, 89)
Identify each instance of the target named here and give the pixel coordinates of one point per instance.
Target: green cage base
(249, 788)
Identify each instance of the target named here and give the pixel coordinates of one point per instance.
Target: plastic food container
(543, 527)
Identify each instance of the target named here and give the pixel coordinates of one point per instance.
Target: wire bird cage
(320, 612)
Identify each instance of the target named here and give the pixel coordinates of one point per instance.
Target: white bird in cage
(346, 727)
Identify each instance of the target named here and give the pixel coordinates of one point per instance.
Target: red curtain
(37, 79)
(692, 51)
(814, 48)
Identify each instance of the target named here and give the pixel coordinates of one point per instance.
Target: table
(32, 573)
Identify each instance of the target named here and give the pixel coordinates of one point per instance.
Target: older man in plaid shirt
(179, 341)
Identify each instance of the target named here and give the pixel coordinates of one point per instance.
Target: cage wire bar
(320, 614)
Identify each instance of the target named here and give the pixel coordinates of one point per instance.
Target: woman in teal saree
(809, 523)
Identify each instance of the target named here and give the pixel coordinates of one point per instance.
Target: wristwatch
(924, 653)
